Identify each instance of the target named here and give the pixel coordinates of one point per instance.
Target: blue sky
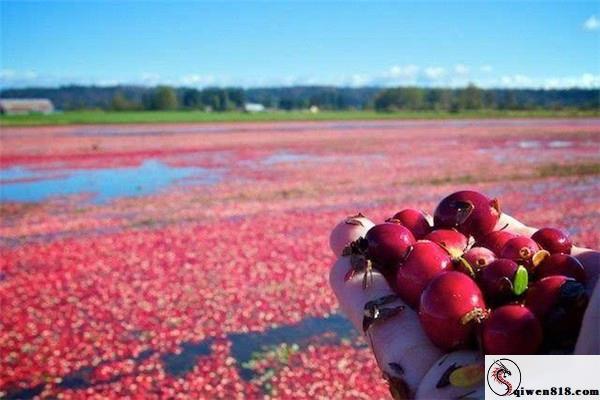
(493, 44)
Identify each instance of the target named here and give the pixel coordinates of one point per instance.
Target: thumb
(399, 344)
(512, 225)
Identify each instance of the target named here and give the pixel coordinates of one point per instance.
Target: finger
(439, 384)
(512, 225)
(590, 260)
(399, 344)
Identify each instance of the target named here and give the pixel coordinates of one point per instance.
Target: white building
(26, 106)
(254, 107)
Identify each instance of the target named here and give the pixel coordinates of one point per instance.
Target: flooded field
(150, 260)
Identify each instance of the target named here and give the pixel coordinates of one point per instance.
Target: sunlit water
(103, 184)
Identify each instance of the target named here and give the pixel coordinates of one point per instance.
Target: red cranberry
(559, 302)
(449, 308)
(479, 257)
(473, 260)
(495, 241)
(387, 244)
(498, 281)
(415, 221)
(553, 240)
(520, 249)
(451, 240)
(561, 264)
(470, 212)
(424, 261)
(511, 329)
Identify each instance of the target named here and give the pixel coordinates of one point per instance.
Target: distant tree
(326, 97)
(471, 98)
(455, 105)
(408, 98)
(286, 104)
(412, 98)
(191, 98)
(120, 103)
(508, 101)
(236, 96)
(162, 98)
(489, 99)
(218, 99)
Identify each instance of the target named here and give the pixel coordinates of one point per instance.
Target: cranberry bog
(159, 260)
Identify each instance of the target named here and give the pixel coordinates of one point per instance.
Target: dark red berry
(451, 240)
(511, 329)
(450, 308)
(425, 260)
(553, 240)
(521, 250)
(386, 245)
(559, 302)
(415, 221)
(470, 212)
(498, 281)
(561, 264)
(495, 241)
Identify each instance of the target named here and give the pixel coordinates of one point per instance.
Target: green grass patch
(155, 117)
(581, 169)
(543, 171)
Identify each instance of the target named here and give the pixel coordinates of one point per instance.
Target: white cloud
(591, 24)
(458, 75)
(149, 78)
(197, 80)
(10, 74)
(461, 69)
(434, 73)
(358, 80)
(590, 80)
(403, 72)
(6, 74)
(515, 81)
(10, 77)
(107, 82)
(586, 80)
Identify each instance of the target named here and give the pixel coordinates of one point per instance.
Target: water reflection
(27, 185)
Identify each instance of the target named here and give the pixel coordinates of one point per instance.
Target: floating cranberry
(559, 302)
(553, 240)
(561, 264)
(511, 329)
(348, 231)
(386, 245)
(424, 261)
(415, 221)
(450, 308)
(495, 240)
(470, 212)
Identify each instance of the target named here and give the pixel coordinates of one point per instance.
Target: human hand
(411, 363)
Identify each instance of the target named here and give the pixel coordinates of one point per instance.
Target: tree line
(122, 98)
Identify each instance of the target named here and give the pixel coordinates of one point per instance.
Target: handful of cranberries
(474, 284)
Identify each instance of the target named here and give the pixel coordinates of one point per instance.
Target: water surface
(103, 184)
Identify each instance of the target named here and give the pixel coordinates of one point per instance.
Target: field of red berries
(217, 288)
